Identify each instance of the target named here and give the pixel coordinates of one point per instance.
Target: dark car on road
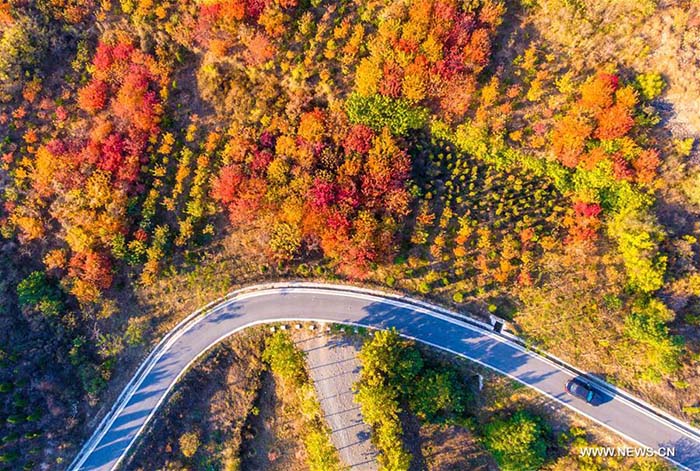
(582, 389)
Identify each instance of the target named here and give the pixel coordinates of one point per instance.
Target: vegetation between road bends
(399, 379)
(203, 422)
(394, 375)
(288, 363)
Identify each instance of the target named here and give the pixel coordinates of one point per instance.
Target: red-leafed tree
(225, 186)
(93, 96)
(585, 222)
(359, 139)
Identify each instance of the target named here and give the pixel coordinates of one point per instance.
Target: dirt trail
(334, 368)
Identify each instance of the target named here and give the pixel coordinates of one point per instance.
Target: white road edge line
(342, 290)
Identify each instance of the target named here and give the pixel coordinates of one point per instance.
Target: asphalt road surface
(172, 357)
(335, 368)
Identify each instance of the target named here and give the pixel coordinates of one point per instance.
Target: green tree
(36, 291)
(388, 358)
(638, 235)
(437, 394)
(284, 358)
(378, 404)
(517, 443)
(647, 325)
(379, 111)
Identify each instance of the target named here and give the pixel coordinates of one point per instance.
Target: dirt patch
(452, 448)
(273, 433)
(212, 402)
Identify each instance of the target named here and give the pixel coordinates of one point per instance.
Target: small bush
(650, 85)
(189, 444)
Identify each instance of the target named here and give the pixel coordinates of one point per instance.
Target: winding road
(625, 415)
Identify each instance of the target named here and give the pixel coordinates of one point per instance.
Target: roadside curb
(427, 308)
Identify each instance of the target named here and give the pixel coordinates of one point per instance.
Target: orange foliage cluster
(218, 20)
(72, 11)
(597, 129)
(430, 52)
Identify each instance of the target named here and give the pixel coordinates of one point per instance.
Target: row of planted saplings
(21, 416)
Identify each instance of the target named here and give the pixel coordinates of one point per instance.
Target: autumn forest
(529, 159)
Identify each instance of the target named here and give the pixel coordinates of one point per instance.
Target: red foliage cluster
(350, 187)
(225, 186)
(359, 139)
(217, 21)
(93, 268)
(103, 166)
(124, 86)
(585, 223)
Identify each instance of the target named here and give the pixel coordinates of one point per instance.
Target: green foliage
(379, 111)
(88, 373)
(118, 246)
(638, 236)
(109, 345)
(285, 359)
(650, 85)
(517, 443)
(288, 362)
(394, 456)
(393, 373)
(389, 366)
(321, 455)
(36, 291)
(133, 335)
(646, 324)
(388, 359)
(437, 394)
(378, 403)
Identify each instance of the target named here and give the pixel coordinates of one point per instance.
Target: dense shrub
(517, 442)
(379, 111)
